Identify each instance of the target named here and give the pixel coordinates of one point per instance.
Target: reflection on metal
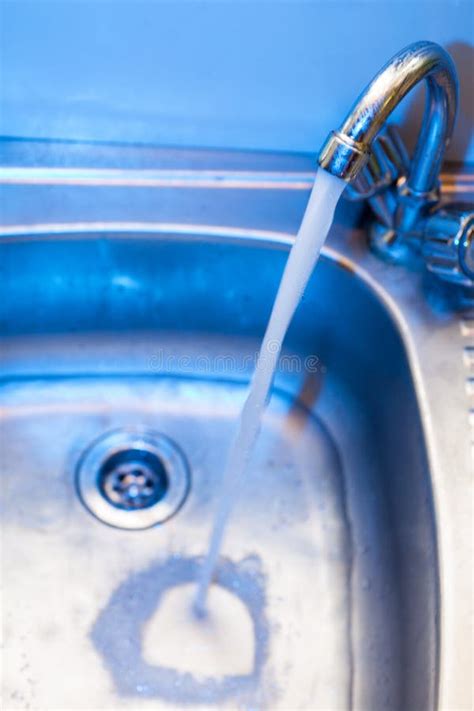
(91, 230)
(404, 195)
(347, 151)
(189, 179)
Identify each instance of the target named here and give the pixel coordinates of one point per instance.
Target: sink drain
(133, 478)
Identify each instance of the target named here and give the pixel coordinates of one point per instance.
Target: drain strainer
(133, 478)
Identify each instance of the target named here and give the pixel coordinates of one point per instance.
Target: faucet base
(391, 246)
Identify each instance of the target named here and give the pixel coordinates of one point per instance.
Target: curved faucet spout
(347, 151)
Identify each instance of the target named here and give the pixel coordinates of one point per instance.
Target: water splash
(302, 259)
(118, 635)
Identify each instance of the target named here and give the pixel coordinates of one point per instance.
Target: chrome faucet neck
(370, 156)
(347, 151)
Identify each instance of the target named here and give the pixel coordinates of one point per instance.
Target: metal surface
(403, 195)
(133, 478)
(448, 246)
(347, 151)
(356, 525)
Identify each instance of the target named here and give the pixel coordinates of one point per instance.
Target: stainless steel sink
(349, 543)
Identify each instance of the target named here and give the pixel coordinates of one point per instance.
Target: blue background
(268, 75)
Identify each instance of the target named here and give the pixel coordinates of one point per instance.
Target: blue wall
(259, 74)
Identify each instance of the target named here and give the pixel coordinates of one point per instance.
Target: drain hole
(133, 479)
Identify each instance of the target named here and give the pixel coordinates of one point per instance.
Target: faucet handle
(388, 161)
(448, 244)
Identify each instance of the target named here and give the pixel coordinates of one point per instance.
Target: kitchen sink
(342, 549)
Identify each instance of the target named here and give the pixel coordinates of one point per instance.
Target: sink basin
(333, 547)
(335, 515)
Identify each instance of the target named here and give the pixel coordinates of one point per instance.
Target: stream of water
(302, 259)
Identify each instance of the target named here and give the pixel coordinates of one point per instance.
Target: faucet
(408, 214)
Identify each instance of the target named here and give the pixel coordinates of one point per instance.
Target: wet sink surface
(331, 550)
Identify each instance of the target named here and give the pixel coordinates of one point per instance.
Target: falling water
(302, 259)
